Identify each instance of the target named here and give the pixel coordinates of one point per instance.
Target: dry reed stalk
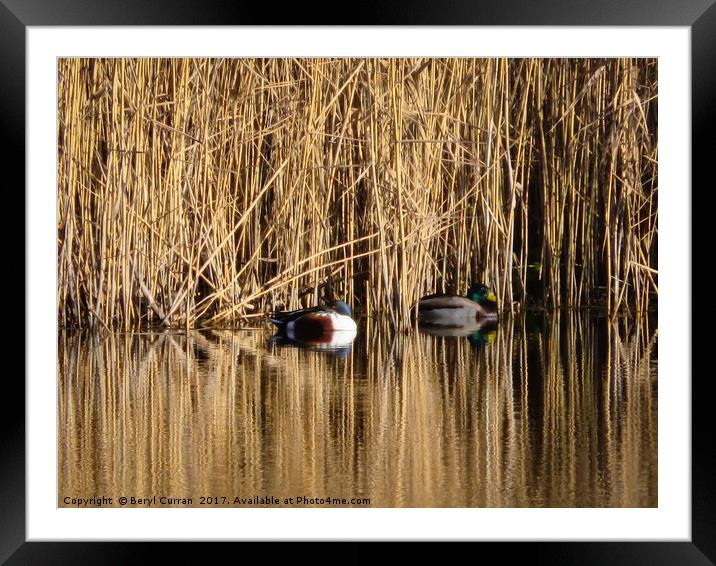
(563, 417)
(214, 189)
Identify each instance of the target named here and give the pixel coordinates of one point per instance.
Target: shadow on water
(555, 411)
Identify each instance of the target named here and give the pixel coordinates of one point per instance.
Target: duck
(317, 324)
(455, 311)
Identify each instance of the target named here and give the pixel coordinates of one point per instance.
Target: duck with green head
(452, 310)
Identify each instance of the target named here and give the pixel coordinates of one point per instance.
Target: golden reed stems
(207, 191)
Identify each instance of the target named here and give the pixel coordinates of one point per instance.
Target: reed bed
(208, 191)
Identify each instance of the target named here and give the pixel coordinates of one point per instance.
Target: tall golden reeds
(207, 191)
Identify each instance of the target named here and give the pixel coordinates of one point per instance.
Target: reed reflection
(559, 411)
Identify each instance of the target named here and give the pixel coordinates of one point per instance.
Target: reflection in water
(555, 412)
(478, 332)
(338, 342)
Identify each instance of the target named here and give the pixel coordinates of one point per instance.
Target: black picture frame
(698, 15)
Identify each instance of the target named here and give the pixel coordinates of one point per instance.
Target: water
(557, 411)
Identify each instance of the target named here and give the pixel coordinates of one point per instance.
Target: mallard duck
(317, 324)
(452, 310)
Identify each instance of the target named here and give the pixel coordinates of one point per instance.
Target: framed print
(404, 282)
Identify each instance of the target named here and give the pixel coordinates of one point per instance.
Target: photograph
(357, 282)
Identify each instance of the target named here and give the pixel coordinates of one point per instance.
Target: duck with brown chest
(452, 310)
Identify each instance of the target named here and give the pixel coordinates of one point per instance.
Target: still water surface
(555, 411)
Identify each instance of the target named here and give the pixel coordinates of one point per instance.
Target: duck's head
(343, 308)
(480, 293)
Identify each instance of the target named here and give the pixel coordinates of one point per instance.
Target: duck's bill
(491, 297)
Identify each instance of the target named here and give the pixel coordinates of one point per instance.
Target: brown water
(555, 411)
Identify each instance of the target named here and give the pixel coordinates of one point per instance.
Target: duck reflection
(478, 332)
(337, 342)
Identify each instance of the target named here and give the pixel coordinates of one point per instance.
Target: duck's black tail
(279, 318)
